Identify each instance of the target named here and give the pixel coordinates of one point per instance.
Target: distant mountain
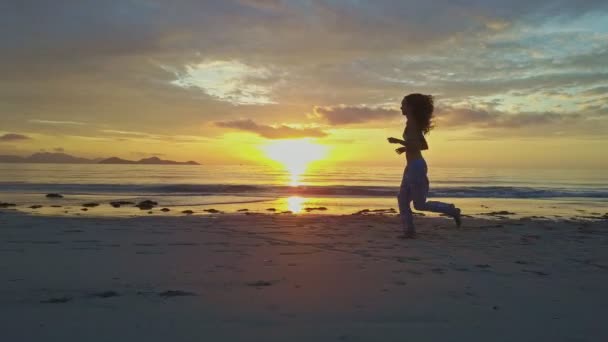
(156, 160)
(146, 161)
(12, 159)
(115, 160)
(46, 157)
(62, 158)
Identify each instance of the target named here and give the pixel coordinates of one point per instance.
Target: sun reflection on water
(295, 203)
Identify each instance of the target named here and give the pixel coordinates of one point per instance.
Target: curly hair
(422, 107)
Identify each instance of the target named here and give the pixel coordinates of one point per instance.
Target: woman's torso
(413, 134)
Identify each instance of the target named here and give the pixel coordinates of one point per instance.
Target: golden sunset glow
(295, 155)
(179, 95)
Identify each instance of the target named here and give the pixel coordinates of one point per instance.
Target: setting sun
(295, 155)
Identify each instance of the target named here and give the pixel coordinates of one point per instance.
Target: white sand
(326, 278)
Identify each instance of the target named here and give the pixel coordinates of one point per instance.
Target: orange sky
(516, 84)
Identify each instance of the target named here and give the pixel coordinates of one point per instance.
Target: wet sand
(279, 277)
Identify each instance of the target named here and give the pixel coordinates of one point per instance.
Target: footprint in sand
(539, 273)
(260, 283)
(105, 294)
(56, 300)
(175, 293)
(483, 266)
(438, 270)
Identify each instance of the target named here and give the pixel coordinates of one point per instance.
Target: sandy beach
(280, 277)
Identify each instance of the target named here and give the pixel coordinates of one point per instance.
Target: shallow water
(341, 190)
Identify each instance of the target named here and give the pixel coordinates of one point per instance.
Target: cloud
(55, 122)
(489, 123)
(264, 4)
(13, 137)
(271, 132)
(233, 82)
(160, 66)
(345, 115)
(121, 135)
(129, 134)
(492, 119)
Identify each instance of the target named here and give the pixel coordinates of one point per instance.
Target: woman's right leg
(405, 212)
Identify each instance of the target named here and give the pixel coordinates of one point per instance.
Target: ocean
(341, 190)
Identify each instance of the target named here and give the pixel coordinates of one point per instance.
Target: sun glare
(295, 155)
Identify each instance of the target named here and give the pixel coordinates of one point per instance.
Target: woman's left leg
(419, 192)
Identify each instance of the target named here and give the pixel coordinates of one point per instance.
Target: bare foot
(457, 218)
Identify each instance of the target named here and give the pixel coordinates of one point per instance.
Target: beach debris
(212, 211)
(54, 196)
(90, 205)
(309, 209)
(6, 205)
(375, 211)
(188, 212)
(164, 210)
(56, 300)
(36, 206)
(146, 205)
(260, 283)
(105, 294)
(118, 204)
(603, 217)
(84, 209)
(176, 293)
(491, 226)
(271, 209)
(540, 273)
(499, 213)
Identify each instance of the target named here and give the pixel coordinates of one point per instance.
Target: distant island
(145, 161)
(63, 158)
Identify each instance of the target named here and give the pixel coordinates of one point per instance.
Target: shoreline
(103, 206)
(301, 277)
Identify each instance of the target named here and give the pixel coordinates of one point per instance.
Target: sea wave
(311, 191)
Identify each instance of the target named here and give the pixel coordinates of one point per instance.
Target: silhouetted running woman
(418, 109)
